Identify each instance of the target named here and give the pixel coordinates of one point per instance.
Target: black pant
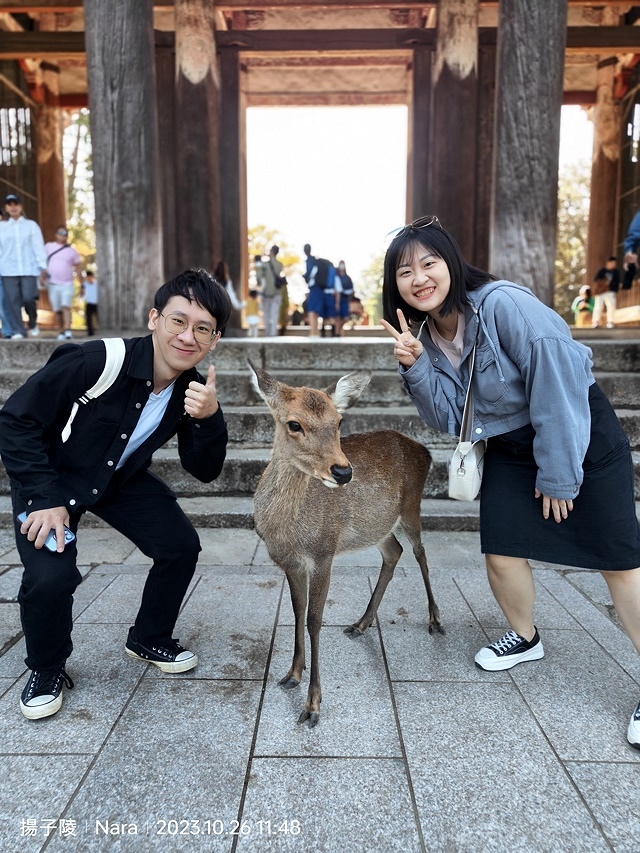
(90, 314)
(149, 516)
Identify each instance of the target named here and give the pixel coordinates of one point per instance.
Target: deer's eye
(294, 426)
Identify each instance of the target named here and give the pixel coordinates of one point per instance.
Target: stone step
(385, 388)
(243, 468)
(619, 355)
(237, 512)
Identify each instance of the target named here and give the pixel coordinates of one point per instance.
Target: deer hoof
(438, 628)
(288, 682)
(312, 716)
(353, 631)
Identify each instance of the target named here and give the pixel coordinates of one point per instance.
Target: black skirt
(601, 532)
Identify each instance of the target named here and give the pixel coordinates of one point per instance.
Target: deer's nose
(341, 474)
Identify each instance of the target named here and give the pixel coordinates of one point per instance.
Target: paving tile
(229, 621)
(95, 545)
(611, 792)
(415, 655)
(341, 804)
(10, 627)
(591, 584)
(12, 661)
(7, 544)
(483, 784)
(548, 612)
(104, 679)
(597, 624)
(581, 699)
(10, 583)
(28, 795)
(356, 718)
(178, 752)
(452, 550)
(220, 547)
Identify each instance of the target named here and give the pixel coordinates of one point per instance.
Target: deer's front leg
(319, 587)
(298, 586)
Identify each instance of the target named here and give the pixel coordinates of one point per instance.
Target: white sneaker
(67, 334)
(34, 332)
(633, 732)
(17, 337)
(60, 336)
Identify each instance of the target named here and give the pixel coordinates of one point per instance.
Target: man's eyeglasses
(421, 222)
(62, 233)
(176, 325)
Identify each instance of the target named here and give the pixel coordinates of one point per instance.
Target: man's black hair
(197, 286)
(435, 239)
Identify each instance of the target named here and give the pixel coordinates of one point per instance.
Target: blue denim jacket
(528, 369)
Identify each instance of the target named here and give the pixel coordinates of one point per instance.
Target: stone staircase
(227, 502)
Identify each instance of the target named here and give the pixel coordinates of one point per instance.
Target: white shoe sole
(167, 666)
(499, 664)
(37, 712)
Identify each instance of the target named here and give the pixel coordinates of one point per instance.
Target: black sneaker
(42, 695)
(169, 657)
(508, 651)
(633, 732)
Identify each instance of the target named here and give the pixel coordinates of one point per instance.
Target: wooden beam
(28, 6)
(40, 44)
(598, 40)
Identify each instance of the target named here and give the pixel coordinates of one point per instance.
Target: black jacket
(48, 472)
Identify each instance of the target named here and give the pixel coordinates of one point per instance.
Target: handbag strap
(467, 413)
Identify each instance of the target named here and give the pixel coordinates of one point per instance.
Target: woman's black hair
(433, 237)
(197, 286)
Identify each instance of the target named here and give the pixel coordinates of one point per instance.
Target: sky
(335, 177)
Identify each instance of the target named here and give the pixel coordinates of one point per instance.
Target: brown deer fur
(320, 496)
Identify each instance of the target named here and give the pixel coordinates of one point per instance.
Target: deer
(321, 495)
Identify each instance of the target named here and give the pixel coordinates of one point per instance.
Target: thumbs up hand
(201, 401)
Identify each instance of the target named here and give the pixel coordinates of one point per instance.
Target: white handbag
(467, 463)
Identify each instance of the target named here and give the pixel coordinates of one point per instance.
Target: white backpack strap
(115, 353)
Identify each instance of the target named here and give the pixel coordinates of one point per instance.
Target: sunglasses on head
(421, 222)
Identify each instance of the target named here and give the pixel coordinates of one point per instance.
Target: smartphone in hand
(51, 543)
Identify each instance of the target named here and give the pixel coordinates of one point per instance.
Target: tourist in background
(23, 263)
(89, 290)
(271, 297)
(344, 294)
(582, 307)
(63, 265)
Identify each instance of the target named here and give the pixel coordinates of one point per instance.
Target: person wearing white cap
(23, 262)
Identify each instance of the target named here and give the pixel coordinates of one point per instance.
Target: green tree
(573, 217)
(370, 289)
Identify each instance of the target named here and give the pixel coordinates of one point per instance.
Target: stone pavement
(416, 749)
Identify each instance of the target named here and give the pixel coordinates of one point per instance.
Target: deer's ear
(264, 384)
(347, 390)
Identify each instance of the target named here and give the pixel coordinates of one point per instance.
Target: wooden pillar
(124, 132)
(455, 101)
(601, 237)
(531, 47)
(198, 234)
(166, 106)
(419, 167)
(484, 155)
(232, 177)
(49, 129)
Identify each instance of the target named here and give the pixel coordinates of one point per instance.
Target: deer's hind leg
(411, 525)
(298, 580)
(391, 551)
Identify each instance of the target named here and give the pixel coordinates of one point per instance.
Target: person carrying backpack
(320, 275)
(69, 448)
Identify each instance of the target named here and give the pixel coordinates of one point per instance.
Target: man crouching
(101, 465)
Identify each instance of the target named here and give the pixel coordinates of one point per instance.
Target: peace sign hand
(407, 349)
